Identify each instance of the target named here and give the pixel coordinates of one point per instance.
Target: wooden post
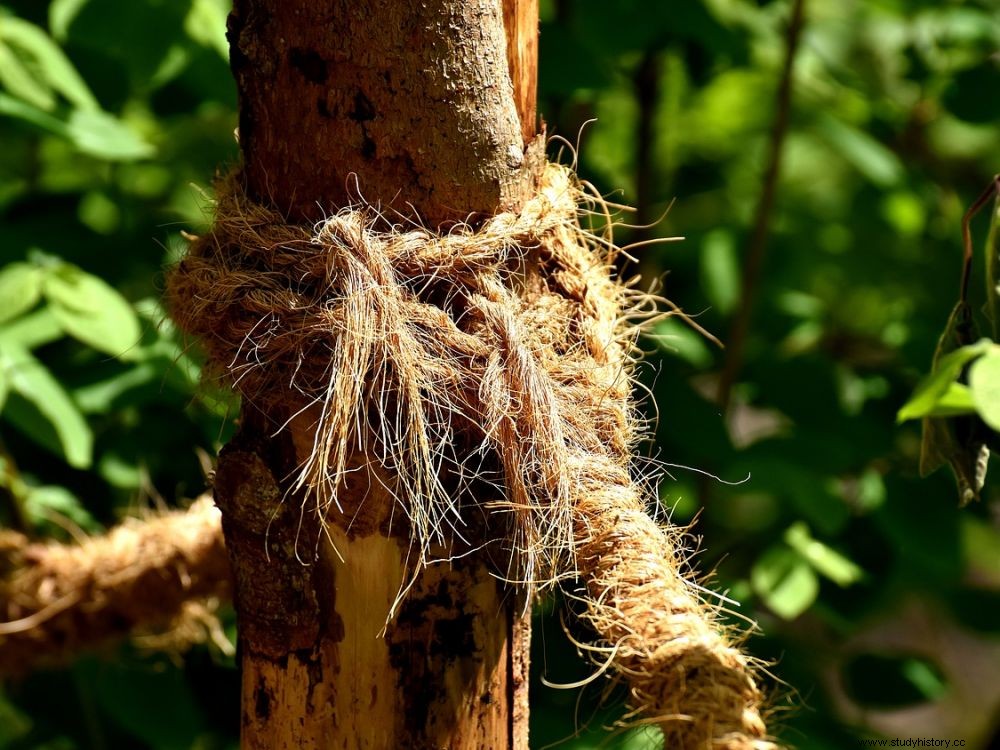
(410, 105)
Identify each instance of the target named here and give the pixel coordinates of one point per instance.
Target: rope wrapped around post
(496, 357)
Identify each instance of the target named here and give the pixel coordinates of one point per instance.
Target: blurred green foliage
(115, 115)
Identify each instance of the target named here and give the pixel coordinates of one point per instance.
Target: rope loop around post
(487, 367)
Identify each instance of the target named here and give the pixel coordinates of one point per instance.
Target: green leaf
(871, 493)
(96, 133)
(100, 213)
(680, 340)
(100, 397)
(935, 386)
(785, 581)
(926, 678)
(720, 270)
(33, 330)
(824, 559)
(42, 502)
(984, 384)
(92, 311)
(955, 441)
(30, 379)
(106, 137)
(866, 154)
(611, 148)
(14, 107)
(135, 37)
(49, 61)
(120, 472)
(206, 24)
(20, 289)
(888, 681)
(61, 15)
(954, 402)
(16, 77)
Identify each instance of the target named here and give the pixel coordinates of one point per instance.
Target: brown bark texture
(410, 106)
(403, 103)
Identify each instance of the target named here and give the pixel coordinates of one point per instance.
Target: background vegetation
(877, 597)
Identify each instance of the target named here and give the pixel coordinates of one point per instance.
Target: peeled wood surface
(520, 20)
(321, 669)
(413, 98)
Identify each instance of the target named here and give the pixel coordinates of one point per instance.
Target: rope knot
(495, 357)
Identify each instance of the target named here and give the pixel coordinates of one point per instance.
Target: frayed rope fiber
(500, 357)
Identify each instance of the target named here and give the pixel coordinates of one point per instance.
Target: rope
(492, 363)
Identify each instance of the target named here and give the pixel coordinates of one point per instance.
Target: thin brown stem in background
(736, 343)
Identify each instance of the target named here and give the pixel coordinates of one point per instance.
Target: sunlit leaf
(92, 311)
(866, 154)
(611, 148)
(826, 560)
(19, 81)
(893, 681)
(20, 289)
(931, 390)
(49, 61)
(632, 739)
(954, 402)
(30, 379)
(720, 270)
(95, 133)
(61, 15)
(120, 472)
(871, 493)
(137, 35)
(41, 503)
(99, 212)
(984, 384)
(105, 136)
(906, 212)
(33, 330)
(21, 110)
(955, 441)
(100, 397)
(785, 581)
(206, 24)
(674, 337)
(926, 678)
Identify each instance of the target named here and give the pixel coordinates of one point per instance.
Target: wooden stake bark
(410, 105)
